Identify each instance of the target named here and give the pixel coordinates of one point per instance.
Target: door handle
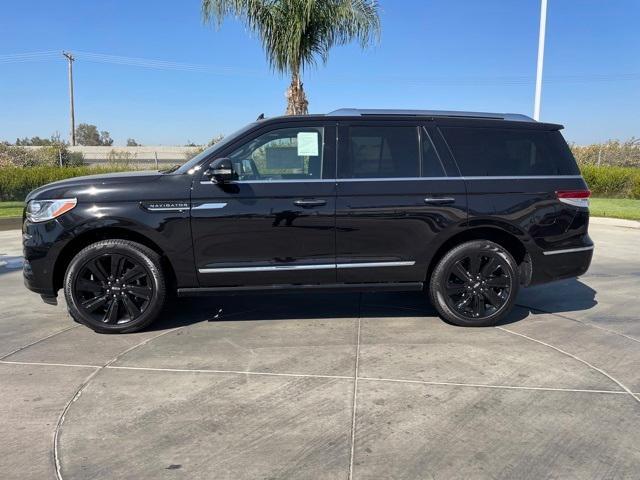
(439, 200)
(310, 203)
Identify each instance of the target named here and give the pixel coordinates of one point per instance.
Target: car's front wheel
(474, 284)
(115, 286)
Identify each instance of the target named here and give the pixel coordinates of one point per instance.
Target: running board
(332, 287)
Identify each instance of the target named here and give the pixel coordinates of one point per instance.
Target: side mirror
(221, 170)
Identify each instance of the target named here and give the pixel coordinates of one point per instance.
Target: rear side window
(510, 152)
(381, 152)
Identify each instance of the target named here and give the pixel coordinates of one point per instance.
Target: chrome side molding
(320, 266)
(567, 250)
(209, 206)
(270, 268)
(374, 264)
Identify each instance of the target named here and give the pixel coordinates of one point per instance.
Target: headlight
(43, 210)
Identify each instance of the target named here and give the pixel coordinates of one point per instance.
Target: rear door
(513, 171)
(395, 195)
(275, 224)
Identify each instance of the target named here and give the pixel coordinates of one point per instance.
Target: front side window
(381, 152)
(283, 154)
(510, 152)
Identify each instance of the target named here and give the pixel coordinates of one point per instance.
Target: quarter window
(284, 154)
(381, 152)
(510, 152)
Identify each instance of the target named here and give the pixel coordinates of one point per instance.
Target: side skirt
(332, 287)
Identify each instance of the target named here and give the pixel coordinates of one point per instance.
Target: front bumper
(41, 245)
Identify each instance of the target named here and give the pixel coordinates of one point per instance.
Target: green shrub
(620, 182)
(611, 153)
(48, 155)
(17, 182)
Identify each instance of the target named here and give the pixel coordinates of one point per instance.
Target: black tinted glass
(381, 152)
(510, 152)
(431, 165)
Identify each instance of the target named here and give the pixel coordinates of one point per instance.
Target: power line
(28, 57)
(404, 80)
(165, 65)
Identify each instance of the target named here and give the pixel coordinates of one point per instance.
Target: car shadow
(570, 295)
(563, 296)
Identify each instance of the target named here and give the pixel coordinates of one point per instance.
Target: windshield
(211, 150)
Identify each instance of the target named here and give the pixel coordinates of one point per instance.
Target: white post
(543, 27)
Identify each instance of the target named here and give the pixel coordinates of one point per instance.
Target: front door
(395, 195)
(275, 224)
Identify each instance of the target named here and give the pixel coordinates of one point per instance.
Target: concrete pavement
(330, 386)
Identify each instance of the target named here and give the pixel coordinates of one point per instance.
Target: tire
(115, 286)
(475, 284)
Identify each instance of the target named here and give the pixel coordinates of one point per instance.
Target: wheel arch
(514, 245)
(107, 233)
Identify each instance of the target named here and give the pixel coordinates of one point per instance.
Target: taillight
(577, 198)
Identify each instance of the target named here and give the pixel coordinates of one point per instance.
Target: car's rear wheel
(115, 286)
(474, 284)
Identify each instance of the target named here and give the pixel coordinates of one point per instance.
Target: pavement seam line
(330, 377)
(499, 387)
(355, 401)
(47, 364)
(78, 393)
(575, 357)
(581, 322)
(38, 341)
(234, 372)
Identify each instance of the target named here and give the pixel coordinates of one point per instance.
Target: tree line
(87, 134)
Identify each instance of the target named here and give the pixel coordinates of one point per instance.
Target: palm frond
(298, 33)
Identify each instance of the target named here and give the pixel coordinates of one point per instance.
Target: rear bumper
(562, 263)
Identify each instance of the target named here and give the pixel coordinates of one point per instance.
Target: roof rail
(359, 112)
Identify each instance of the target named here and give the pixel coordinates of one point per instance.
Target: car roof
(443, 117)
(369, 112)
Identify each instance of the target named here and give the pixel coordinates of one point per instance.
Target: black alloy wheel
(115, 286)
(475, 284)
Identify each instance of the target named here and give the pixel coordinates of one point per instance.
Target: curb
(615, 222)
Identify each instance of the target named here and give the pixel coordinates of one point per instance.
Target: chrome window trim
(516, 177)
(210, 206)
(392, 179)
(320, 266)
(294, 180)
(567, 250)
(405, 179)
(402, 179)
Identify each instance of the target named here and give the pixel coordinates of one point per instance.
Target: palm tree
(295, 34)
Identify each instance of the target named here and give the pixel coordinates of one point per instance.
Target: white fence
(151, 156)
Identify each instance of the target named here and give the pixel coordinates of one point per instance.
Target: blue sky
(435, 54)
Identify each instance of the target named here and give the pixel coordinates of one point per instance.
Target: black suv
(469, 206)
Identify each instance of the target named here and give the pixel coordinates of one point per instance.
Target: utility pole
(70, 59)
(541, 38)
